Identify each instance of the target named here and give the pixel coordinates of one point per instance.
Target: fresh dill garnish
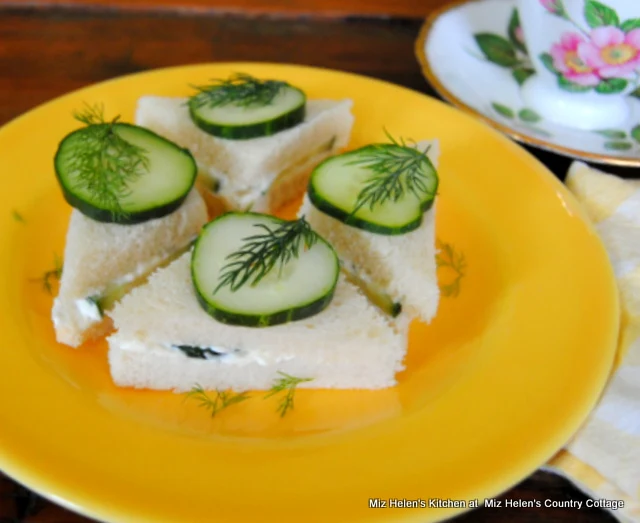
(286, 383)
(92, 115)
(260, 253)
(17, 216)
(222, 399)
(448, 257)
(49, 276)
(104, 164)
(241, 90)
(396, 169)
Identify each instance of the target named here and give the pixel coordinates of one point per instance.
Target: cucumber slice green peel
(120, 173)
(243, 107)
(114, 292)
(257, 270)
(380, 188)
(374, 293)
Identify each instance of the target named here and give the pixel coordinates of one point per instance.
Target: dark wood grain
(279, 8)
(47, 52)
(44, 54)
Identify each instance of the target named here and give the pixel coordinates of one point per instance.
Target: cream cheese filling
(89, 310)
(235, 357)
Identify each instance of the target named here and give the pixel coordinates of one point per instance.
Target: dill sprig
(17, 216)
(47, 278)
(221, 401)
(396, 169)
(448, 257)
(103, 162)
(242, 90)
(260, 253)
(286, 383)
(92, 115)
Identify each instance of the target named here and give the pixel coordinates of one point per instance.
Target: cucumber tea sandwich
(256, 297)
(256, 140)
(134, 207)
(376, 206)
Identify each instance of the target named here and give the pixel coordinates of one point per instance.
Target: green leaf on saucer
(547, 61)
(611, 133)
(618, 146)
(636, 93)
(522, 73)
(635, 133)
(497, 49)
(560, 10)
(611, 86)
(529, 116)
(630, 25)
(598, 14)
(514, 23)
(503, 110)
(565, 84)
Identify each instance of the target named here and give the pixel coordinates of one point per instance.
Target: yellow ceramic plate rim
(96, 503)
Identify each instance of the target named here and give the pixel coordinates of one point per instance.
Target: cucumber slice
(402, 177)
(114, 292)
(239, 121)
(158, 187)
(299, 288)
(375, 294)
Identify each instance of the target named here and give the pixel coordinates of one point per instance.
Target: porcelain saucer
(473, 55)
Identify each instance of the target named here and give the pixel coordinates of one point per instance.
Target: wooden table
(48, 49)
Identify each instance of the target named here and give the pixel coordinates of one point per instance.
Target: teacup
(586, 54)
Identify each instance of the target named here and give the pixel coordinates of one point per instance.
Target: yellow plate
(520, 350)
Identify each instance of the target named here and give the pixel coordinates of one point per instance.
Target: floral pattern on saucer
(510, 52)
(523, 119)
(605, 56)
(619, 140)
(475, 56)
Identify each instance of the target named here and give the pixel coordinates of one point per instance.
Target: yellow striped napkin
(603, 458)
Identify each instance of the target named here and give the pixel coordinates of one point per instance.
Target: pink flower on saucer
(611, 52)
(568, 62)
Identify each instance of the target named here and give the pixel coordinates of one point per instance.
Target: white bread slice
(404, 265)
(247, 169)
(350, 344)
(100, 254)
